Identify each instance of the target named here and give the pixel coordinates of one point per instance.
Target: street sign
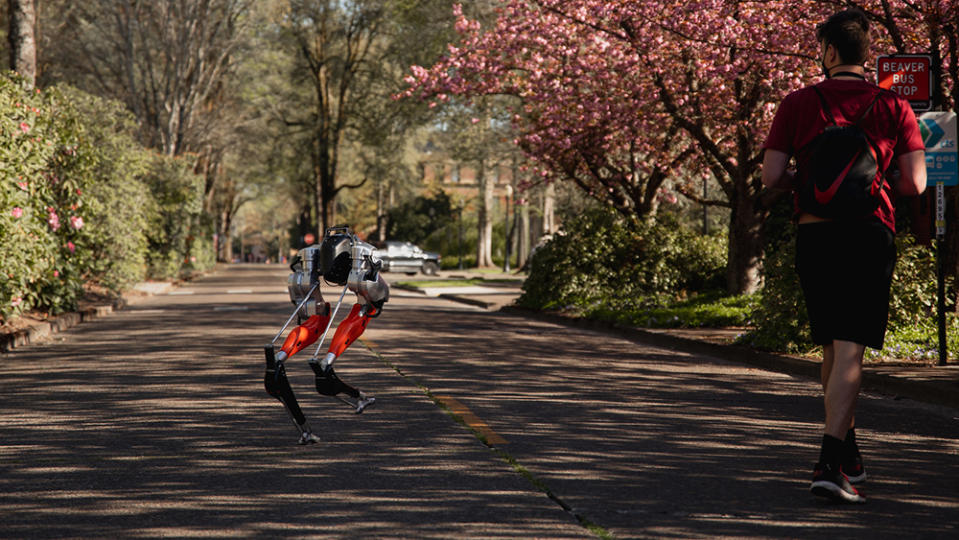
(909, 75)
(938, 131)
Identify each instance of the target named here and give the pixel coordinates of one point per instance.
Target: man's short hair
(848, 32)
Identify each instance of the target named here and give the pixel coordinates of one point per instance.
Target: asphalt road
(153, 423)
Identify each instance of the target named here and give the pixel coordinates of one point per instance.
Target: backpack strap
(869, 108)
(825, 106)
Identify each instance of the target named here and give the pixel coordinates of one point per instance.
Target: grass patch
(465, 282)
(707, 310)
(918, 344)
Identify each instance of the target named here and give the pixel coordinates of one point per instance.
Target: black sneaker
(834, 485)
(854, 471)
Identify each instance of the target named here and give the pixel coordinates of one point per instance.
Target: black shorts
(845, 269)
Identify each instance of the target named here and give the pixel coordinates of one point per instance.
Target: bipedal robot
(341, 259)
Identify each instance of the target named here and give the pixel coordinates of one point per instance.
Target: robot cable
(330, 322)
(295, 311)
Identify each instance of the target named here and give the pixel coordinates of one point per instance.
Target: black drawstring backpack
(841, 177)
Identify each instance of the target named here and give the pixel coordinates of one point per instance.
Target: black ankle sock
(831, 451)
(849, 444)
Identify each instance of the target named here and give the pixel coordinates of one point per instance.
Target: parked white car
(407, 258)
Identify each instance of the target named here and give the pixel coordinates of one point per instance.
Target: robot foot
(308, 438)
(359, 404)
(363, 402)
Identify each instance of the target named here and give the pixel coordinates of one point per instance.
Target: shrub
(178, 196)
(116, 205)
(600, 260)
(30, 221)
(780, 316)
(783, 325)
(81, 202)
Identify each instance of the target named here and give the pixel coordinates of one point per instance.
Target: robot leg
(304, 334)
(278, 386)
(347, 332)
(327, 383)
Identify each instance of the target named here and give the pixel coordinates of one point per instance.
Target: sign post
(942, 168)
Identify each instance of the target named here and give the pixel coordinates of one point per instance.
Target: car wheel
(431, 268)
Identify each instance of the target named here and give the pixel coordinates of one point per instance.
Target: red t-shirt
(891, 125)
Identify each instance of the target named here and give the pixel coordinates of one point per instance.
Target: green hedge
(601, 262)
(82, 203)
(664, 275)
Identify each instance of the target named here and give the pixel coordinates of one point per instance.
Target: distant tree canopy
(415, 220)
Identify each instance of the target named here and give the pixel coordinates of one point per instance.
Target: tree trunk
(522, 252)
(744, 266)
(484, 241)
(224, 239)
(381, 212)
(22, 37)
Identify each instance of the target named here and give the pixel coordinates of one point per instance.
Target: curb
(467, 300)
(937, 392)
(44, 329)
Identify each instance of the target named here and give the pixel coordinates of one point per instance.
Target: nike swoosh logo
(823, 197)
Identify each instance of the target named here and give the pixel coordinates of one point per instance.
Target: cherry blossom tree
(927, 27)
(578, 114)
(618, 95)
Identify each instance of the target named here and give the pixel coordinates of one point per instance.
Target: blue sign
(938, 131)
(942, 169)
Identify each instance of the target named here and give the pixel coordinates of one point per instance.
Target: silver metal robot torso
(303, 283)
(324, 261)
(365, 279)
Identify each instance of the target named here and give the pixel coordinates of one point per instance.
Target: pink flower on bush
(16, 301)
(52, 218)
(24, 127)
(76, 222)
(56, 273)
(23, 185)
(71, 247)
(16, 212)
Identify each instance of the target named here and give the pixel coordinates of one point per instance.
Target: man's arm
(775, 173)
(912, 173)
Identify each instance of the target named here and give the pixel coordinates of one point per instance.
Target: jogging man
(845, 261)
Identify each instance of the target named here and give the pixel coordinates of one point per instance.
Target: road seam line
(540, 486)
(474, 422)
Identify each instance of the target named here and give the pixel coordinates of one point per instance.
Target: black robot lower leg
(278, 386)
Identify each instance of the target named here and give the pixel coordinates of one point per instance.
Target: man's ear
(831, 55)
